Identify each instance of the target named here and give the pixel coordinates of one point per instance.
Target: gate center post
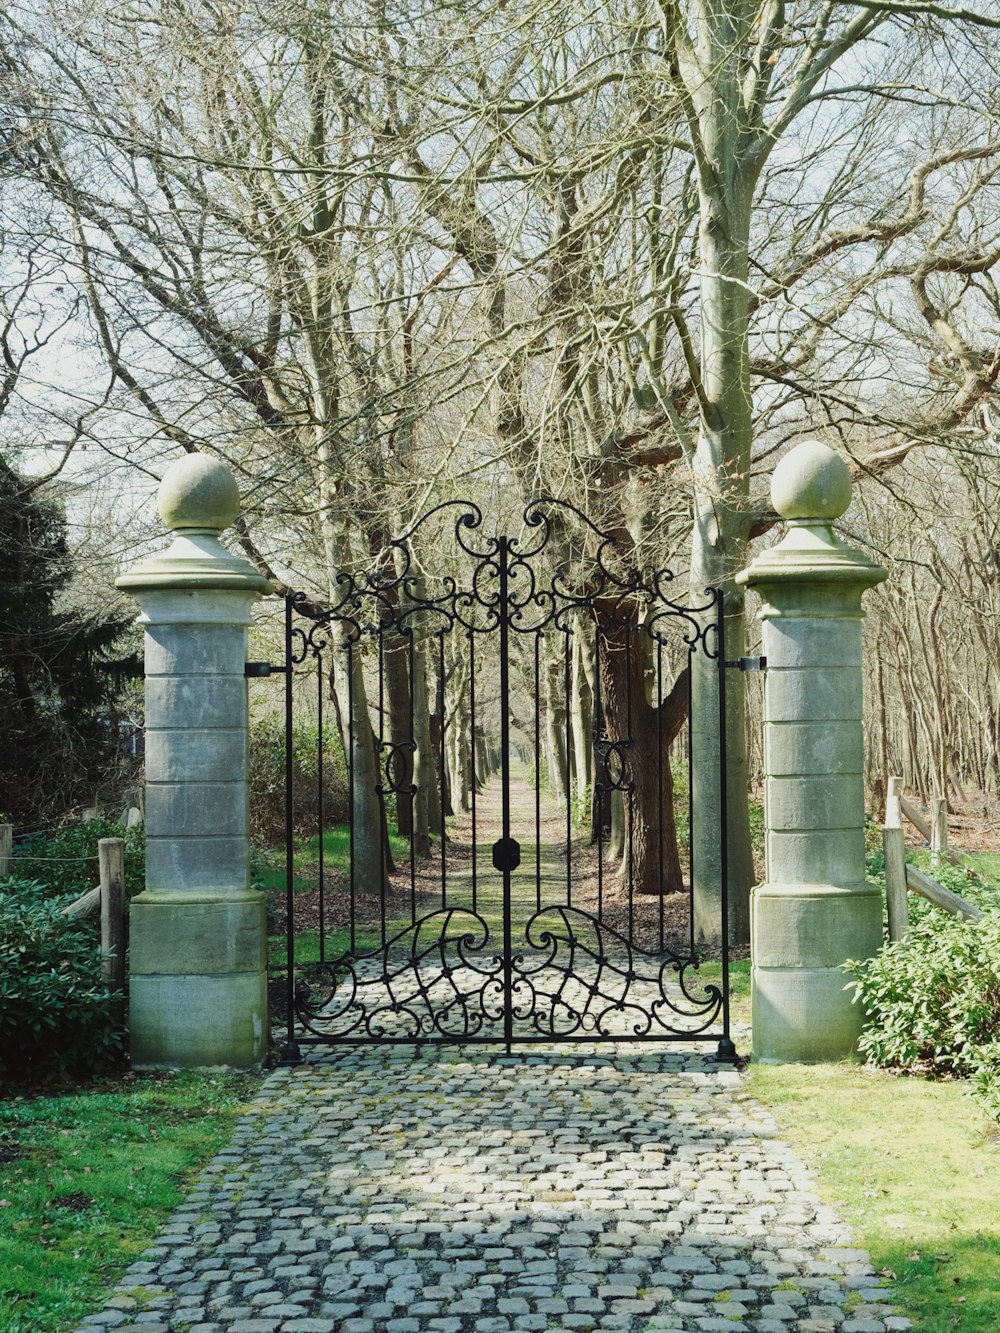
(506, 858)
(815, 909)
(198, 982)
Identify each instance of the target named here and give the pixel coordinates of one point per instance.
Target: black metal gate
(515, 860)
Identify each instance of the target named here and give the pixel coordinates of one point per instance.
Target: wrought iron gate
(553, 904)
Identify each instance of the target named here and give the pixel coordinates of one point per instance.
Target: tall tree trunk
(368, 842)
(399, 706)
(642, 733)
(582, 715)
(427, 799)
(557, 760)
(719, 544)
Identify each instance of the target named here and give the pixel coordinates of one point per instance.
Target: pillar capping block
(198, 498)
(811, 488)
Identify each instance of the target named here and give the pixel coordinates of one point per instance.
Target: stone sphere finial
(811, 481)
(198, 492)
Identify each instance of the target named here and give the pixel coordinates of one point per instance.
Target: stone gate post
(814, 910)
(198, 986)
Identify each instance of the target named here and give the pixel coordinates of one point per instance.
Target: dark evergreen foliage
(58, 673)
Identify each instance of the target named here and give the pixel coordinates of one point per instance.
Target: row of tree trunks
(404, 766)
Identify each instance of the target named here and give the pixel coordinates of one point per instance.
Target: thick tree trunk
(719, 545)
(642, 734)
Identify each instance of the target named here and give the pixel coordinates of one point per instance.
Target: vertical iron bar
(691, 814)
(726, 1047)
(508, 971)
(350, 789)
(660, 760)
(319, 806)
(444, 771)
(291, 1045)
(380, 793)
(600, 779)
(472, 730)
(538, 771)
(413, 785)
(568, 703)
(631, 785)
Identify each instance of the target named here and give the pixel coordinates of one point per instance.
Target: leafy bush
(267, 780)
(55, 1010)
(932, 1001)
(65, 862)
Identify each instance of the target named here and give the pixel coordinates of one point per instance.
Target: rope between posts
(54, 860)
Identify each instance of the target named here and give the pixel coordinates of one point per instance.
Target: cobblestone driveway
(394, 1191)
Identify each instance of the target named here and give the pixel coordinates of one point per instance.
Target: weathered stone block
(200, 755)
(198, 808)
(818, 801)
(803, 1015)
(793, 748)
(198, 865)
(195, 649)
(815, 926)
(209, 936)
(827, 694)
(806, 641)
(197, 701)
(189, 1021)
(837, 856)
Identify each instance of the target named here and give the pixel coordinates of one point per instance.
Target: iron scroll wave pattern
(573, 978)
(395, 595)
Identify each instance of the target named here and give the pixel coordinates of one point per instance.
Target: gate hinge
(749, 663)
(258, 670)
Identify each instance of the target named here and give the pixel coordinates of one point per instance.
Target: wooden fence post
(896, 903)
(897, 907)
(6, 847)
(111, 857)
(939, 828)
(893, 811)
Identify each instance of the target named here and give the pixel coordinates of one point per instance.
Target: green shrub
(267, 780)
(932, 1001)
(986, 1078)
(65, 862)
(56, 1013)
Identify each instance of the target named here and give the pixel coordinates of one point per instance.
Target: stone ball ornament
(198, 491)
(812, 481)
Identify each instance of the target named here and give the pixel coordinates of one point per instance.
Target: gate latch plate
(506, 854)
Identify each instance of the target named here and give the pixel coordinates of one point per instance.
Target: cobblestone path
(436, 1191)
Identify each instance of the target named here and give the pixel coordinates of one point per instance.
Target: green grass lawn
(913, 1166)
(86, 1180)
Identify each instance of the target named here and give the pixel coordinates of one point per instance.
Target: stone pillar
(814, 910)
(198, 983)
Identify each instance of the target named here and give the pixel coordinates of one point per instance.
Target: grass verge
(87, 1179)
(912, 1166)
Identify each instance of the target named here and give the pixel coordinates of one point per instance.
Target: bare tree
(626, 254)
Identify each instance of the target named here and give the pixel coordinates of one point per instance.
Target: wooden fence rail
(902, 879)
